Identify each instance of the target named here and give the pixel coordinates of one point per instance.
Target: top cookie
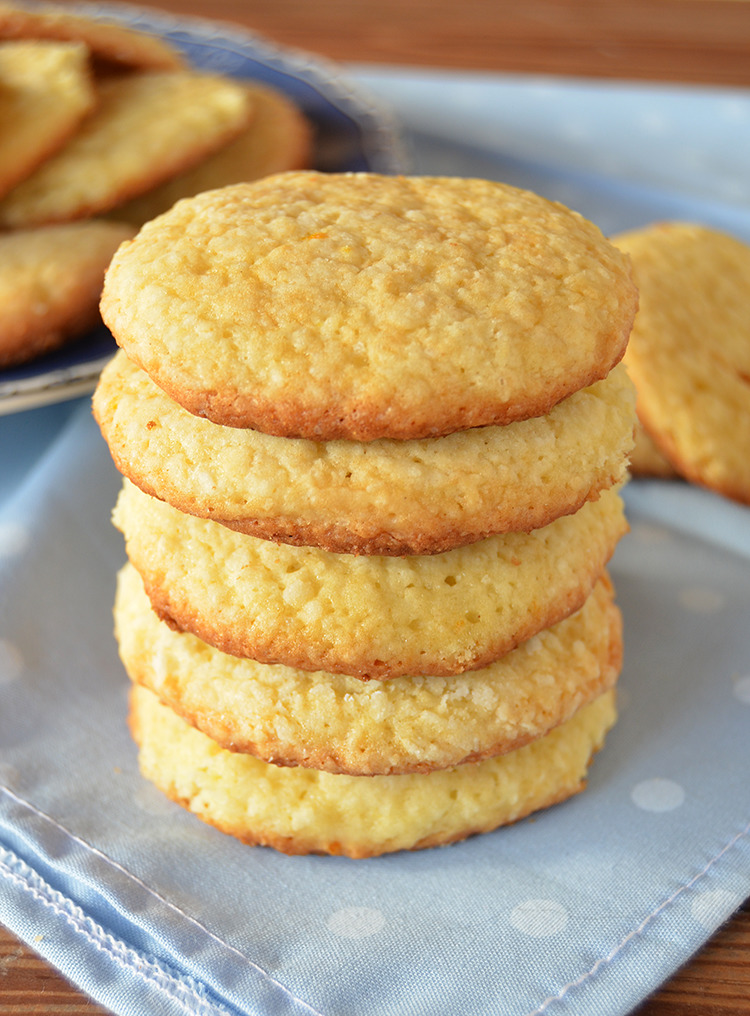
(362, 306)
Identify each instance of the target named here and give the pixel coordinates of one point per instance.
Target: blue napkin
(584, 908)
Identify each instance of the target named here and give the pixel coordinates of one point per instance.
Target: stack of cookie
(372, 431)
(103, 127)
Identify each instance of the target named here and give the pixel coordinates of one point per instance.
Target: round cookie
(146, 128)
(422, 496)
(365, 616)
(279, 137)
(50, 280)
(339, 724)
(112, 46)
(46, 89)
(361, 306)
(300, 811)
(689, 353)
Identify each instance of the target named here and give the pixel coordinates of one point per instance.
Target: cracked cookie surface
(301, 811)
(361, 306)
(380, 497)
(371, 617)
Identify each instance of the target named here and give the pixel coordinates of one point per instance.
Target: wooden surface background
(703, 41)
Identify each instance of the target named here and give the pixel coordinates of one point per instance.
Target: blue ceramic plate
(351, 133)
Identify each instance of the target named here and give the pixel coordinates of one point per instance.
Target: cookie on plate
(365, 616)
(361, 306)
(689, 353)
(301, 811)
(278, 138)
(46, 89)
(422, 496)
(50, 281)
(112, 46)
(146, 128)
(364, 728)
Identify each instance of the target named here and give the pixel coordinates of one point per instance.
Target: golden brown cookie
(146, 128)
(112, 46)
(380, 497)
(689, 354)
(45, 91)
(342, 725)
(301, 811)
(365, 616)
(50, 280)
(361, 306)
(279, 137)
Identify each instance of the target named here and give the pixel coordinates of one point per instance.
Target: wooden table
(705, 41)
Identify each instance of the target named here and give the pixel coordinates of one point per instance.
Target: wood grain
(702, 41)
(659, 40)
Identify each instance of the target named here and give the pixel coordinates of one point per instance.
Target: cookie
(689, 354)
(112, 46)
(422, 496)
(301, 811)
(647, 460)
(46, 89)
(365, 728)
(50, 280)
(278, 138)
(361, 306)
(365, 616)
(146, 128)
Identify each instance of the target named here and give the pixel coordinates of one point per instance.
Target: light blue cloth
(581, 910)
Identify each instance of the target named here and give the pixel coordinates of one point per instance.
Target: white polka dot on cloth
(14, 538)
(742, 689)
(356, 922)
(701, 600)
(711, 908)
(539, 918)
(657, 794)
(11, 662)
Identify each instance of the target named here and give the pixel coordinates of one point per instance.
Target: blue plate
(352, 133)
